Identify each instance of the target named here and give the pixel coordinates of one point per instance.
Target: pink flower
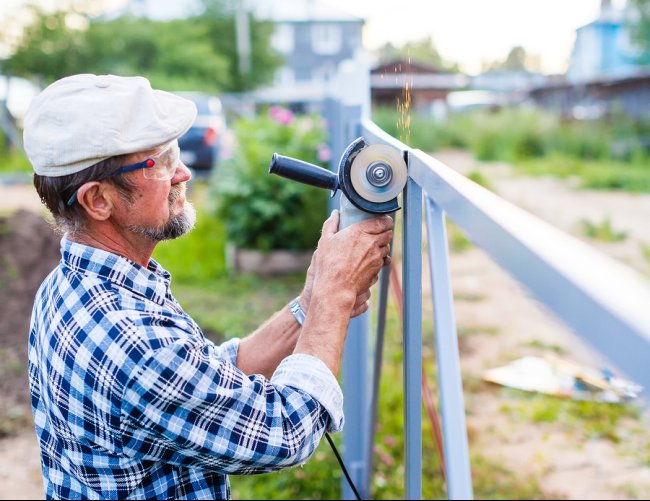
(281, 115)
(324, 153)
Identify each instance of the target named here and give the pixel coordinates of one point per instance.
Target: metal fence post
(459, 478)
(344, 123)
(412, 297)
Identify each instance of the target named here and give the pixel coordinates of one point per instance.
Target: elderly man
(130, 400)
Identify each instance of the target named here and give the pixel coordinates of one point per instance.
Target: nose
(182, 174)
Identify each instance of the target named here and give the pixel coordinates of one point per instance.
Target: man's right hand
(347, 262)
(344, 267)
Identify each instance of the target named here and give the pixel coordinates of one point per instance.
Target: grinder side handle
(303, 172)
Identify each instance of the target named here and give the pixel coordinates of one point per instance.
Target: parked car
(201, 145)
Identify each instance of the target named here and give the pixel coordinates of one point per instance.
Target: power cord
(345, 471)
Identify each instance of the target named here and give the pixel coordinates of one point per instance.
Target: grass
(586, 419)
(604, 155)
(607, 174)
(603, 231)
(13, 161)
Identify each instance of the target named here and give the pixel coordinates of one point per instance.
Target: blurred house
(507, 81)
(604, 48)
(598, 97)
(426, 87)
(604, 75)
(322, 49)
(323, 53)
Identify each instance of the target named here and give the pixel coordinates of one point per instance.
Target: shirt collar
(152, 282)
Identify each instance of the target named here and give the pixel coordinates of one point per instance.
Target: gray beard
(177, 225)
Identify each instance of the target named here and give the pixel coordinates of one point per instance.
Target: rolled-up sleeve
(312, 376)
(189, 405)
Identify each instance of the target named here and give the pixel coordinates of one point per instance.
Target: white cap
(83, 119)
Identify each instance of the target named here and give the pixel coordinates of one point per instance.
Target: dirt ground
(503, 324)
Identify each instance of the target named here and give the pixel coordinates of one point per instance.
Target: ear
(96, 199)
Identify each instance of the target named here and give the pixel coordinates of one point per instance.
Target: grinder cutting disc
(390, 165)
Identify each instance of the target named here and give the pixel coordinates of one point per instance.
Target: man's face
(159, 210)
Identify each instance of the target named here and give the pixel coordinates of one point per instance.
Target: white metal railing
(604, 302)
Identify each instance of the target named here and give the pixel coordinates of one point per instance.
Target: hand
(361, 304)
(347, 262)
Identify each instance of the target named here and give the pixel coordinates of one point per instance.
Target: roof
(405, 66)
(300, 11)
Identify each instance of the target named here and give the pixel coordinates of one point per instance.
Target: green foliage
(586, 418)
(421, 51)
(199, 256)
(263, 211)
(640, 28)
(235, 305)
(197, 53)
(645, 250)
(220, 34)
(12, 159)
(603, 154)
(479, 178)
(602, 231)
(458, 242)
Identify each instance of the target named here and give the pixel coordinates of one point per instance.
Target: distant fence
(601, 300)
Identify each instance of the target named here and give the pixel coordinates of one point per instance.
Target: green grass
(605, 155)
(593, 174)
(13, 161)
(586, 419)
(603, 231)
(645, 250)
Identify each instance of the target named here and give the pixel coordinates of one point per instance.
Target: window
(326, 38)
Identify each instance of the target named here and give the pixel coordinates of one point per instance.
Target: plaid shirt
(131, 401)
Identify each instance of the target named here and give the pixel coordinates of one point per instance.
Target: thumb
(331, 225)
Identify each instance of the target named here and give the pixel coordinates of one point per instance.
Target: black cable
(345, 471)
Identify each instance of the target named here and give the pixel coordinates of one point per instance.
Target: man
(130, 400)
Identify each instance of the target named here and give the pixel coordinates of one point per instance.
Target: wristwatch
(298, 312)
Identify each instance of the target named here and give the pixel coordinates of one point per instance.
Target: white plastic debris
(554, 376)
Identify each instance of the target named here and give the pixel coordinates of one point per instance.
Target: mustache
(175, 193)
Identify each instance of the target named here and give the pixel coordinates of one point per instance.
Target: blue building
(323, 53)
(603, 48)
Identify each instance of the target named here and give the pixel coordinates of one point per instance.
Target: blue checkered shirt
(131, 401)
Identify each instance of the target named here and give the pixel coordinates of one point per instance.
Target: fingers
(358, 310)
(362, 298)
(362, 304)
(378, 225)
(331, 224)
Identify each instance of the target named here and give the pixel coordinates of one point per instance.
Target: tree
(639, 24)
(517, 59)
(421, 51)
(197, 53)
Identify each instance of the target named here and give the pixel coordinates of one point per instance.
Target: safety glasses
(161, 166)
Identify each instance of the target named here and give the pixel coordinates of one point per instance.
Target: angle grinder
(370, 178)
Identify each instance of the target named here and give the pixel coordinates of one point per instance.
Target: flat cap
(83, 119)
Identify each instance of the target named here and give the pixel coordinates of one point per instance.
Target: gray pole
(242, 28)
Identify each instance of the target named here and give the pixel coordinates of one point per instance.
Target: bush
(266, 212)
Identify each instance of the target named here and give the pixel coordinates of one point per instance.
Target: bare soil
(499, 320)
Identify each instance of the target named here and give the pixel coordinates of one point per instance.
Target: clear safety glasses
(161, 166)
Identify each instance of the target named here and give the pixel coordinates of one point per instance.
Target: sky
(468, 32)
(472, 31)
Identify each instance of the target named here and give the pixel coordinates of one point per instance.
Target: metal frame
(601, 300)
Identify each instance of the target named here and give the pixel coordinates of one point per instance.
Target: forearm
(263, 350)
(323, 334)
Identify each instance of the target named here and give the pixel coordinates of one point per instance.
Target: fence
(601, 300)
